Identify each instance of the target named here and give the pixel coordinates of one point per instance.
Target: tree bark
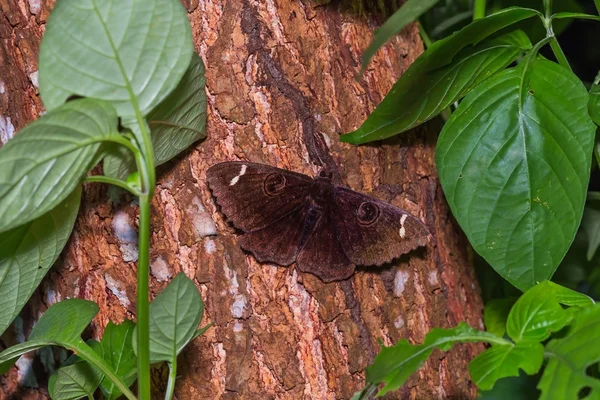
(281, 88)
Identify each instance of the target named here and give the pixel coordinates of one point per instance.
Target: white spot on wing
(402, 230)
(238, 176)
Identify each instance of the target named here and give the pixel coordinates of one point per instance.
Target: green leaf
(495, 314)
(117, 351)
(502, 361)
(563, 15)
(513, 388)
(131, 53)
(176, 123)
(594, 103)
(45, 162)
(443, 51)
(538, 312)
(514, 163)
(591, 225)
(174, 317)
(565, 374)
(409, 12)
(393, 365)
(74, 382)
(27, 253)
(420, 95)
(597, 4)
(201, 331)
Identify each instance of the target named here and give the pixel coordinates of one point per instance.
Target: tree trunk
(281, 88)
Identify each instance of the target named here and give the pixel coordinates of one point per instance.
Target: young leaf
(393, 365)
(174, 317)
(420, 95)
(409, 12)
(74, 382)
(61, 325)
(538, 312)
(591, 225)
(514, 162)
(45, 162)
(27, 253)
(495, 314)
(175, 124)
(565, 374)
(501, 361)
(443, 51)
(117, 351)
(594, 104)
(563, 15)
(131, 52)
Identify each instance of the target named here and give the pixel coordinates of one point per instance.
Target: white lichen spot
(25, 373)
(210, 247)
(399, 322)
(35, 6)
(127, 236)
(236, 178)
(201, 220)
(160, 269)
(400, 282)
(7, 129)
(33, 77)
(327, 140)
(238, 327)
(239, 300)
(238, 306)
(2, 87)
(402, 230)
(51, 297)
(433, 279)
(117, 289)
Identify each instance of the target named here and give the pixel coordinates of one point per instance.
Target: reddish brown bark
(281, 88)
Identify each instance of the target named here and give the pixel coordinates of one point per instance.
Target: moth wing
(372, 232)
(253, 196)
(322, 254)
(280, 241)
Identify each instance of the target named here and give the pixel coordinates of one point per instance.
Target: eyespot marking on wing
(402, 230)
(236, 178)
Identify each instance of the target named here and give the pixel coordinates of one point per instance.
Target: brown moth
(327, 230)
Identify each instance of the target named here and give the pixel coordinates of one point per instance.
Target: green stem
(86, 353)
(143, 319)
(479, 9)
(112, 181)
(558, 53)
(424, 36)
(171, 382)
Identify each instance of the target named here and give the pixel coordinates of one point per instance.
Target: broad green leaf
(174, 317)
(61, 325)
(117, 351)
(495, 314)
(127, 52)
(591, 225)
(176, 123)
(409, 12)
(393, 365)
(27, 252)
(502, 361)
(597, 4)
(514, 163)
(420, 95)
(594, 104)
(522, 387)
(443, 51)
(538, 312)
(74, 382)
(46, 160)
(565, 374)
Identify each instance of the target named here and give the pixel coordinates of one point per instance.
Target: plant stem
(558, 53)
(143, 319)
(171, 382)
(424, 36)
(479, 9)
(112, 181)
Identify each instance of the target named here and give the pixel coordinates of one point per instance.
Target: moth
(326, 229)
